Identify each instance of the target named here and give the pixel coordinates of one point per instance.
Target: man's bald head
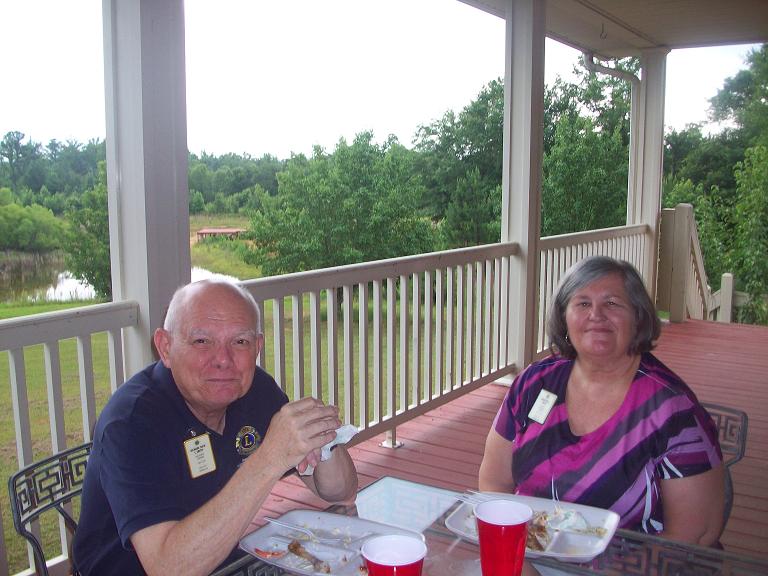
(189, 292)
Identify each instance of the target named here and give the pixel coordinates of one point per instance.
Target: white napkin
(343, 435)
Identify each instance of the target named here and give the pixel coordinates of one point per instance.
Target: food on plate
(318, 565)
(572, 521)
(267, 554)
(538, 536)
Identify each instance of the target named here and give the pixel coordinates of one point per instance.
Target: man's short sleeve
(140, 479)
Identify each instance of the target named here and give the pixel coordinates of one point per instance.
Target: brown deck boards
(723, 363)
(728, 364)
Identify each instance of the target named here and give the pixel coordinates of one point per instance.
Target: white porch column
(146, 160)
(521, 178)
(644, 201)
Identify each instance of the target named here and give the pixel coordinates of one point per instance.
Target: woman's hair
(586, 271)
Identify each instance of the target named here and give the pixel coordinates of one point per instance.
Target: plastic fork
(467, 499)
(476, 497)
(555, 495)
(471, 499)
(313, 536)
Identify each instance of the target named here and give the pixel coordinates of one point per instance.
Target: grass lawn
(14, 310)
(214, 256)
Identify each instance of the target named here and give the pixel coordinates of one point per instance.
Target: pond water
(44, 278)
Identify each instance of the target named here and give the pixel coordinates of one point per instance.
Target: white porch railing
(407, 335)
(683, 288)
(45, 352)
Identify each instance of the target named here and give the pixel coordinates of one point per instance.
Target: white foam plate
(566, 546)
(344, 558)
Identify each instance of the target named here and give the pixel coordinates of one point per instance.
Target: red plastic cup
(502, 528)
(394, 555)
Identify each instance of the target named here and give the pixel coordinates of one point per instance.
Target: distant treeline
(55, 175)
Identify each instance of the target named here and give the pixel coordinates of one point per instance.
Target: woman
(603, 422)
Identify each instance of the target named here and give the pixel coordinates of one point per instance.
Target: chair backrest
(44, 485)
(732, 431)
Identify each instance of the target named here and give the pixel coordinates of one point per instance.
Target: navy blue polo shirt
(138, 473)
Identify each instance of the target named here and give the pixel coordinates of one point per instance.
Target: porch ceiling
(619, 28)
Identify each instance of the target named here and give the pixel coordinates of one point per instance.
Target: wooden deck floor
(723, 363)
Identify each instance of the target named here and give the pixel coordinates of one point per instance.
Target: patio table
(424, 508)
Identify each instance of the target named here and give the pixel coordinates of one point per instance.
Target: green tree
(678, 146)
(711, 164)
(51, 176)
(6, 196)
(196, 202)
(29, 228)
(472, 219)
(231, 174)
(588, 121)
(750, 255)
(357, 204)
(246, 201)
(560, 100)
(608, 99)
(20, 158)
(713, 220)
(265, 173)
(224, 182)
(87, 251)
(200, 179)
(585, 178)
(72, 168)
(454, 146)
(218, 205)
(743, 99)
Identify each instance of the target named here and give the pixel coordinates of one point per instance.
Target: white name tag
(542, 406)
(200, 455)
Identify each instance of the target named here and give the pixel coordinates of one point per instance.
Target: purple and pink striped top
(660, 431)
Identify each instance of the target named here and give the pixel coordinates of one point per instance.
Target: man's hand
(298, 432)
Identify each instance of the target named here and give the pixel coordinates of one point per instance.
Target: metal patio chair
(731, 429)
(732, 432)
(47, 484)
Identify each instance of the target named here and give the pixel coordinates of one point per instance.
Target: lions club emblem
(247, 440)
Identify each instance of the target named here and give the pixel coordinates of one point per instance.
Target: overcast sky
(278, 76)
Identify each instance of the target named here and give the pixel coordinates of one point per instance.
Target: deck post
(144, 69)
(681, 262)
(391, 441)
(521, 173)
(726, 298)
(644, 200)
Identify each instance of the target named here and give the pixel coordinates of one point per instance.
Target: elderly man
(187, 450)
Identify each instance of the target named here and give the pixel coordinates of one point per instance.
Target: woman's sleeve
(692, 446)
(506, 421)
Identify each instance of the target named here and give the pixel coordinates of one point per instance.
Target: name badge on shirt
(200, 455)
(542, 406)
